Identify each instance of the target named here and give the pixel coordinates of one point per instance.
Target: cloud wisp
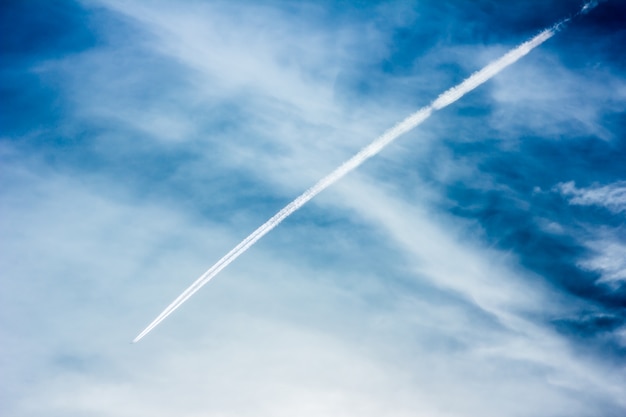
(445, 99)
(611, 196)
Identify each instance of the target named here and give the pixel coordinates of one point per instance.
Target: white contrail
(445, 99)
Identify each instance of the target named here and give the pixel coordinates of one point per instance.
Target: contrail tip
(588, 6)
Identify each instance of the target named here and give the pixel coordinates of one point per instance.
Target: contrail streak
(444, 100)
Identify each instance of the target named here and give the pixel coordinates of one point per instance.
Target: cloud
(608, 258)
(611, 196)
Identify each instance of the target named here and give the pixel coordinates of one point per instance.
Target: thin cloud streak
(445, 99)
(611, 196)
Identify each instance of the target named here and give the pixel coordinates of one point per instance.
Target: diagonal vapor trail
(414, 120)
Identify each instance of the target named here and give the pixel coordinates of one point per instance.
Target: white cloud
(608, 258)
(611, 196)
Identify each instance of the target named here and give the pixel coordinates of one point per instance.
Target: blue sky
(477, 266)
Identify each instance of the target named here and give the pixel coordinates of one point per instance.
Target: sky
(476, 266)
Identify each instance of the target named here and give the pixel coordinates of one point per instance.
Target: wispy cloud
(608, 259)
(611, 196)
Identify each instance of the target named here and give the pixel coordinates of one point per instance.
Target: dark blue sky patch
(36, 33)
(586, 160)
(28, 103)
(605, 19)
(594, 334)
(33, 32)
(36, 30)
(490, 22)
(604, 27)
(590, 324)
